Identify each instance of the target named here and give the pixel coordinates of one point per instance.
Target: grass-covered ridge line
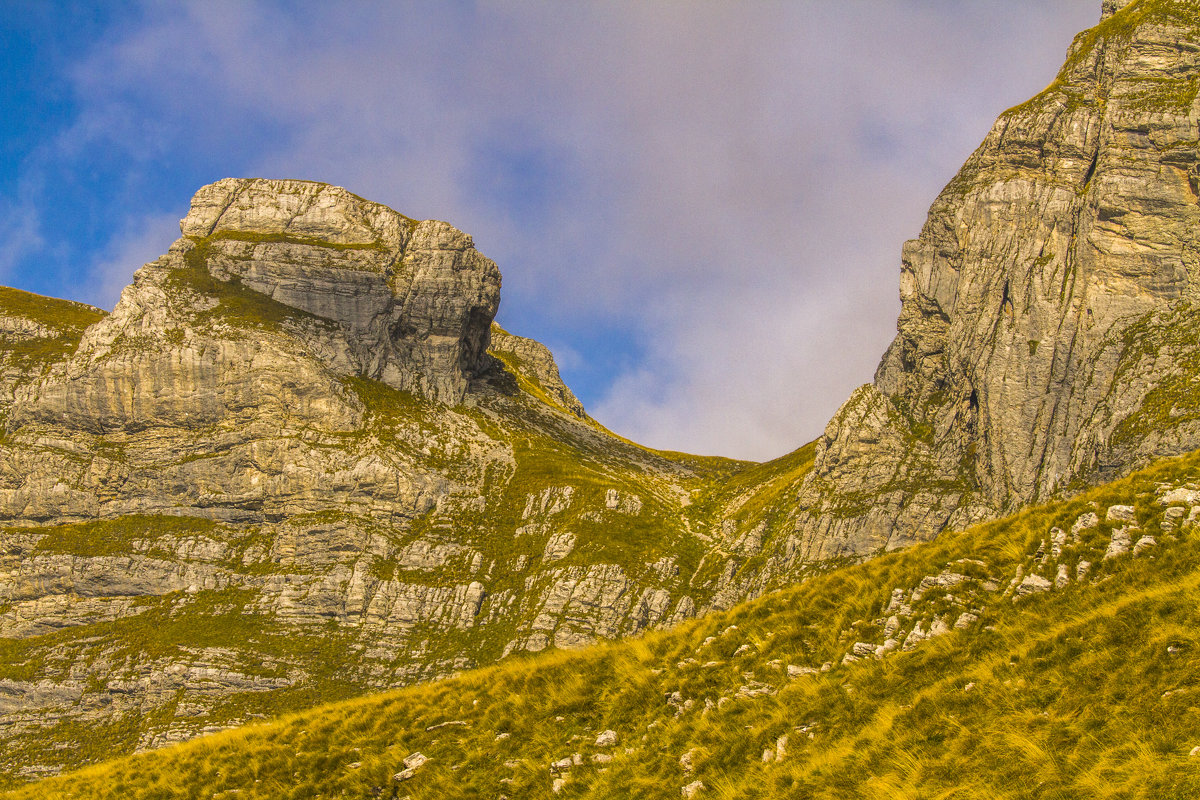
(1089, 690)
(258, 237)
(1166, 94)
(65, 320)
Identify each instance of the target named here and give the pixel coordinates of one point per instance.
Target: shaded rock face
(1047, 332)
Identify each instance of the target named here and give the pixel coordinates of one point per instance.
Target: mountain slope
(284, 471)
(1051, 654)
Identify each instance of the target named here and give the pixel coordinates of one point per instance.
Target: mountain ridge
(298, 462)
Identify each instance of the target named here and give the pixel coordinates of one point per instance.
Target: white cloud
(20, 234)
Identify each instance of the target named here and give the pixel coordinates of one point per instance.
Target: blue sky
(699, 206)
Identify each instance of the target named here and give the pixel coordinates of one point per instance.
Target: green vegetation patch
(1117, 29)
(111, 537)
(68, 320)
(236, 303)
(1173, 399)
(288, 238)
(1163, 93)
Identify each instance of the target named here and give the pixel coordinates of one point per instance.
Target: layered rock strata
(1048, 331)
(287, 467)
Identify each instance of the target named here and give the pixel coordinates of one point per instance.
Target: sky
(698, 206)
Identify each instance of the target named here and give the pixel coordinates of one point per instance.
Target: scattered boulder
(692, 789)
(1119, 543)
(1063, 577)
(1173, 518)
(559, 546)
(1144, 544)
(606, 739)
(896, 601)
(915, 637)
(1058, 538)
(411, 764)
(1121, 514)
(1082, 569)
(1084, 522)
(1180, 495)
(1031, 584)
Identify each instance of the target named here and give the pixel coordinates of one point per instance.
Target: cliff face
(1048, 332)
(287, 467)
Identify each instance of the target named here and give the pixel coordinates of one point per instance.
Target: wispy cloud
(20, 235)
(140, 240)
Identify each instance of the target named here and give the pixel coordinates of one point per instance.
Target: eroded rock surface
(1048, 331)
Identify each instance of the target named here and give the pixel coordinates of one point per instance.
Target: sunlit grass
(1088, 691)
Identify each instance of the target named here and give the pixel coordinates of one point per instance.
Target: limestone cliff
(1048, 331)
(286, 467)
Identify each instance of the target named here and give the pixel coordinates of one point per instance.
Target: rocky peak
(277, 292)
(1047, 330)
(414, 299)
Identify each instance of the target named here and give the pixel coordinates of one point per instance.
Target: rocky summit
(299, 461)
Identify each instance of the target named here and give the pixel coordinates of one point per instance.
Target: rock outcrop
(288, 466)
(1048, 331)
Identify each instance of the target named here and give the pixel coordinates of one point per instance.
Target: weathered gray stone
(1119, 543)
(1063, 577)
(1121, 514)
(1031, 584)
(1037, 310)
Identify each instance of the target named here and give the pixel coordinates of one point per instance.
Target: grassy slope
(1087, 691)
(65, 319)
